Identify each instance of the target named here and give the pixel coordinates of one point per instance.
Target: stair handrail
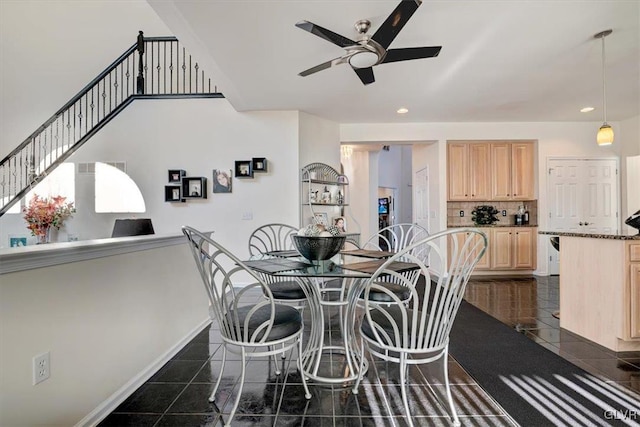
(24, 156)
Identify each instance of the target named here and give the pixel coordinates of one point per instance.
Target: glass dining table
(327, 359)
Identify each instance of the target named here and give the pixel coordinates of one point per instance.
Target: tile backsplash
(454, 208)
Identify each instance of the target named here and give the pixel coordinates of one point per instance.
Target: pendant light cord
(604, 85)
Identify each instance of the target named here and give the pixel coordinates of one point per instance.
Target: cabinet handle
(580, 223)
(586, 223)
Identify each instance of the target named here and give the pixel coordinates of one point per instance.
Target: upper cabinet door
(480, 175)
(458, 171)
(500, 170)
(522, 184)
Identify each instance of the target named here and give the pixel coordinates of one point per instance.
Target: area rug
(534, 385)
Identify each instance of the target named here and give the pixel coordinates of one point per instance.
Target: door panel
(583, 198)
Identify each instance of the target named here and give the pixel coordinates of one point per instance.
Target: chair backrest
(271, 237)
(396, 237)
(425, 321)
(224, 277)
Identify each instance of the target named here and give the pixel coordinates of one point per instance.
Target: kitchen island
(600, 288)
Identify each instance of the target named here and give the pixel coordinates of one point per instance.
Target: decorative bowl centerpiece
(634, 221)
(316, 243)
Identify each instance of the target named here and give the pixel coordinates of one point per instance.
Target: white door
(421, 197)
(583, 198)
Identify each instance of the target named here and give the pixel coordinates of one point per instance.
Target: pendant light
(605, 133)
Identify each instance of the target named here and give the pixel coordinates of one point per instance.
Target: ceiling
(501, 61)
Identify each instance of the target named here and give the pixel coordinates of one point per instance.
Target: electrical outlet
(504, 212)
(248, 215)
(461, 214)
(41, 367)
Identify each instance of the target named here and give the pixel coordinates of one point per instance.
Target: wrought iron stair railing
(153, 68)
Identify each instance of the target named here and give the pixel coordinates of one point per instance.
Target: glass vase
(44, 237)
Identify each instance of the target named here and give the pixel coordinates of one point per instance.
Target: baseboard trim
(112, 402)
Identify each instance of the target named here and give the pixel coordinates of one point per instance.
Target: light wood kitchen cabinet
(468, 171)
(512, 176)
(524, 248)
(501, 248)
(634, 285)
(483, 263)
(513, 248)
(508, 248)
(600, 289)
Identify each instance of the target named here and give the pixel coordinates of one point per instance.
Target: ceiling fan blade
(328, 35)
(394, 22)
(407, 53)
(365, 74)
(322, 66)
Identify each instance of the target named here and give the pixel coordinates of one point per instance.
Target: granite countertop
(592, 235)
(492, 226)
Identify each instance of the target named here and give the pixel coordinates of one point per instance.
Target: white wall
(197, 135)
(630, 166)
(104, 321)
(319, 141)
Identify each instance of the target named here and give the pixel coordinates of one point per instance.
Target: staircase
(153, 68)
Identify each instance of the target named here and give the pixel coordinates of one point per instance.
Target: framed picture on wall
(259, 164)
(222, 181)
(194, 187)
(244, 169)
(175, 175)
(172, 193)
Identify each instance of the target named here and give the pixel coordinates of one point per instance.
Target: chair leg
(275, 361)
(284, 353)
(212, 398)
(307, 393)
(403, 387)
(356, 385)
(445, 369)
(241, 385)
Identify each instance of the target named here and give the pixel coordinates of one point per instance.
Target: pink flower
(42, 214)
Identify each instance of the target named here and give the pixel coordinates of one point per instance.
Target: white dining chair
(249, 328)
(417, 332)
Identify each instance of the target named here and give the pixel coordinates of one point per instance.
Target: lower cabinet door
(501, 249)
(635, 300)
(524, 248)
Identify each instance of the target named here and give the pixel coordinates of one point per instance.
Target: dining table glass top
(341, 265)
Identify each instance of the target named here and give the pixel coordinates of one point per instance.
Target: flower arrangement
(44, 213)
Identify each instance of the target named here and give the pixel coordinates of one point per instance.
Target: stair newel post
(140, 81)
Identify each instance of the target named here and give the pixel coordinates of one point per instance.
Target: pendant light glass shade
(605, 133)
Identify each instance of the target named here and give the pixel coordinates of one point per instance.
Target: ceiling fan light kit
(367, 52)
(605, 133)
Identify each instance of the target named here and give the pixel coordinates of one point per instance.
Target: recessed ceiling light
(402, 110)
(587, 109)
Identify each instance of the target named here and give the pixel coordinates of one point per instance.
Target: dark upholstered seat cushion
(382, 321)
(402, 292)
(286, 289)
(287, 320)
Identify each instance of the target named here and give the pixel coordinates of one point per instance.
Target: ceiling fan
(370, 51)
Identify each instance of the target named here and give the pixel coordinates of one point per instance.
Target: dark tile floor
(177, 394)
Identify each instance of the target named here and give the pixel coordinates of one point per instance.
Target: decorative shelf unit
(324, 195)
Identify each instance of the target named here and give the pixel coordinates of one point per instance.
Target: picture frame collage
(245, 169)
(182, 187)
